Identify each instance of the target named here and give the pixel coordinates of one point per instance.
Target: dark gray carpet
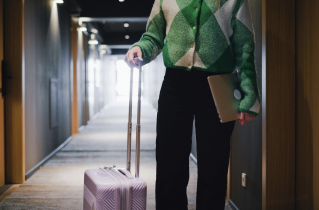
(59, 183)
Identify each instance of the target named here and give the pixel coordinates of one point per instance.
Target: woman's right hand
(135, 52)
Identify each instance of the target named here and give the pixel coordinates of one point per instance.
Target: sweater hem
(198, 68)
(247, 111)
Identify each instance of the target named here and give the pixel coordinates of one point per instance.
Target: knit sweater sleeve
(243, 42)
(152, 40)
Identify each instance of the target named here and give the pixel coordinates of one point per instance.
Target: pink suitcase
(112, 188)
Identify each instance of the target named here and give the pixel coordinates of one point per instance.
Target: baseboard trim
(8, 192)
(99, 112)
(94, 117)
(81, 128)
(232, 205)
(35, 168)
(107, 106)
(193, 157)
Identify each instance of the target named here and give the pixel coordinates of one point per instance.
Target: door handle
(4, 78)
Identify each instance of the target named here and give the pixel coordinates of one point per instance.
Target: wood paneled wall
(85, 75)
(14, 57)
(307, 110)
(278, 102)
(74, 43)
(2, 165)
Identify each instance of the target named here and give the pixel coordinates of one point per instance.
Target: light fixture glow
(127, 37)
(82, 27)
(126, 25)
(121, 0)
(93, 42)
(58, 1)
(95, 31)
(104, 49)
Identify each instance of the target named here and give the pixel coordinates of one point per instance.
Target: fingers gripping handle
(138, 126)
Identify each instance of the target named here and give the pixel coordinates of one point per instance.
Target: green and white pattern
(196, 34)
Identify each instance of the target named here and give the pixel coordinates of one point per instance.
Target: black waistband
(184, 74)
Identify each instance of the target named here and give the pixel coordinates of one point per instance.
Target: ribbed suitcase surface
(112, 188)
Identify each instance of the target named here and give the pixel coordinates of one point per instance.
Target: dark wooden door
(307, 110)
(2, 172)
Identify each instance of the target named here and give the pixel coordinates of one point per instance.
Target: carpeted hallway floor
(59, 183)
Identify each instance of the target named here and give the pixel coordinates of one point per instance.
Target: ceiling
(114, 8)
(109, 16)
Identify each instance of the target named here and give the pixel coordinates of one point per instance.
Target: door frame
(2, 145)
(14, 102)
(74, 50)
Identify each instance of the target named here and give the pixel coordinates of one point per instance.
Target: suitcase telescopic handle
(138, 125)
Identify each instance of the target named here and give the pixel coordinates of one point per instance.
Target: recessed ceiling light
(126, 25)
(58, 1)
(95, 31)
(121, 0)
(82, 28)
(127, 37)
(93, 42)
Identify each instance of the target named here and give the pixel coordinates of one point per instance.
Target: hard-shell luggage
(111, 188)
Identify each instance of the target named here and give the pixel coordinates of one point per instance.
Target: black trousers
(183, 96)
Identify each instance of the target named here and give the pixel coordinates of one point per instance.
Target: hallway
(59, 183)
(62, 67)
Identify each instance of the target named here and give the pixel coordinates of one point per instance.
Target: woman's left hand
(245, 117)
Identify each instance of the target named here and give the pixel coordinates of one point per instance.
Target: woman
(198, 38)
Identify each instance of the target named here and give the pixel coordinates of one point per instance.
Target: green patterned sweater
(200, 34)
